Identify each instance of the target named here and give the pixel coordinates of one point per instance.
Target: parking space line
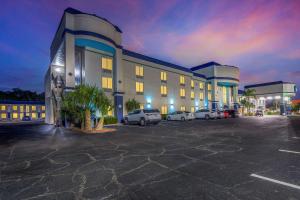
(276, 181)
(296, 137)
(288, 151)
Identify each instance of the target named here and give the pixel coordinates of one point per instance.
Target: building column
(214, 99)
(282, 106)
(118, 101)
(235, 98)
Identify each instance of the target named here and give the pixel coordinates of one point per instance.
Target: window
(33, 115)
(110, 112)
(139, 70)
(3, 116)
(182, 108)
(107, 63)
(21, 115)
(163, 76)
(201, 85)
(182, 92)
(209, 96)
(181, 80)
(33, 108)
(107, 82)
(164, 109)
(192, 84)
(15, 115)
(3, 107)
(27, 108)
(192, 109)
(139, 87)
(21, 108)
(43, 107)
(15, 107)
(43, 115)
(141, 106)
(163, 90)
(224, 95)
(192, 94)
(201, 96)
(209, 86)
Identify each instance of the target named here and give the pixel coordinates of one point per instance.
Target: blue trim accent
(22, 102)
(266, 84)
(241, 91)
(208, 65)
(97, 35)
(227, 84)
(119, 111)
(94, 44)
(214, 105)
(226, 78)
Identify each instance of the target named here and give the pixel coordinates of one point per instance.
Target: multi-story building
(87, 49)
(16, 110)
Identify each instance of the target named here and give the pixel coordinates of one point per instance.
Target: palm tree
(246, 101)
(103, 105)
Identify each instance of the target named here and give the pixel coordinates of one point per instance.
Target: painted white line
(296, 138)
(287, 151)
(276, 181)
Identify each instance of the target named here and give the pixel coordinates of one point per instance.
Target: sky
(261, 37)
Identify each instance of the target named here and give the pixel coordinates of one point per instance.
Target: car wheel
(182, 119)
(126, 121)
(206, 117)
(142, 122)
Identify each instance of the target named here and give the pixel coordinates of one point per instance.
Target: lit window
(33, 108)
(43, 115)
(192, 109)
(3, 116)
(27, 108)
(15, 107)
(21, 115)
(139, 87)
(110, 112)
(3, 107)
(201, 96)
(141, 106)
(201, 85)
(15, 115)
(192, 94)
(209, 96)
(182, 92)
(163, 76)
(182, 108)
(107, 82)
(107, 63)
(21, 108)
(139, 71)
(164, 109)
(163, 90)
(33, 115)
(192, 84)
(181, 80)
(224, 95)
(43, 107)
(208, 86)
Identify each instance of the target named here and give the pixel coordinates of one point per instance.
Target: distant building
(16, 110)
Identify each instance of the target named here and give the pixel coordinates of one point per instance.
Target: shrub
(110, 120)
(132, 104)
(163, 116)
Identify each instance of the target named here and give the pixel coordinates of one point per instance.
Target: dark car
(233, 113)
(26, 118)
(259, 113)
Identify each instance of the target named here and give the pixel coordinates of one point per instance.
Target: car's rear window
(151, 111)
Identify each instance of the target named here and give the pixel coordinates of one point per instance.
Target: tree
(246, 99)
(103, 105)
(132, 104)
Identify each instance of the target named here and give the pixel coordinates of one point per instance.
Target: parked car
(233, 113)
(222, 114)
(180, 115)
(259, 113)
(206, 114)
(26, 118)
(143, 117)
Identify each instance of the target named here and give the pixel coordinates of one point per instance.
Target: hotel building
(87, 49)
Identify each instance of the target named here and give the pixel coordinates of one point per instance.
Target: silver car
(180, 115)
(143, 117)
(206, 114)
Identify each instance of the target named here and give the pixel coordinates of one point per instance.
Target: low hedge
(110, 120)
(163, 116)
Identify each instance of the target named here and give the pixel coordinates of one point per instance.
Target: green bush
(110, 120)
(163, 116)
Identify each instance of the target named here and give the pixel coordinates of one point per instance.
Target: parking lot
(242, 158)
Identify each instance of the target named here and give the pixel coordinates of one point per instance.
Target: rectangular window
(33, 115)
(208, 86)
(27, 108)
(3, 107)
(163, 76)
(182, 92)
(192, 94)
(163, 90)
(164, 109)
(139, 87)
(110, 112)
(139, 71)
(33, 108)
(21, 115)
(107, 63)
(15, 115)
(3, 115)
(192, 109)
(192, 84)
(43, 108)
(209, 96)
(224, 95)
(21, 108)
(182, 108)
(181, 80)
(201, 85)
(141, 106)
(15, 107)
(201, 96)
(107, 82)
(43, 115)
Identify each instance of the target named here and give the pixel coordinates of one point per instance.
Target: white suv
(180, 115)
(143, 117)
(205, 114)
